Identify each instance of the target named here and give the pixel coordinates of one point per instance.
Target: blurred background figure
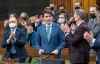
(92, 21)
(22, 21)
(77, 6)
(53, 8)
(23, 18)
(61, 9)
(61, 20)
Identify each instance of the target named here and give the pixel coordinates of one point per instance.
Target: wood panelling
(68, 4)
(58, 2)
(86, 4)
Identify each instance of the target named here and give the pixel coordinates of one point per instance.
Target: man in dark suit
(79, 46)
(14, 41)
(50, 38)
(94, 43)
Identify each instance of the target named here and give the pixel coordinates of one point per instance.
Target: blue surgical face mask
(61, 20)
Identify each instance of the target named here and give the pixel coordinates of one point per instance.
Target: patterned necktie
(48, 31)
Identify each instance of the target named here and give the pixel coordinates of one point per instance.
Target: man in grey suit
(92, 21)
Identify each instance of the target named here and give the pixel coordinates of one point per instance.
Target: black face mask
(52, 8)
(77, 8)
(33, 25)
(92, 15)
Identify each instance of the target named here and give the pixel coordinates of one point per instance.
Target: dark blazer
(79, 46)
(67, 42)
(97, 42)
(96, 47)
(56, 39)
(31, 39)
(18, 45)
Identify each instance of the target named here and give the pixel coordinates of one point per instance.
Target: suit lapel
(8, 33)
(43, 32)
(17, 33)
(52, 31)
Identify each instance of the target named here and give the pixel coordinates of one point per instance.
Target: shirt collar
(13, 30)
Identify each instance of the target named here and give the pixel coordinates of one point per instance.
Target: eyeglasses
(47, 16)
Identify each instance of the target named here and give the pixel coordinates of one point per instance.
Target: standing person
(14, 41)
(94, 43)
(79, 46)
(53, 9)
(92, 17)
(77, 7)
(22, 21)
(50, 38)
(94, 38)
(92, 21)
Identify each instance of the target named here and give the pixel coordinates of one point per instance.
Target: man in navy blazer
(50, 38)
(94, 43)
(14, 41)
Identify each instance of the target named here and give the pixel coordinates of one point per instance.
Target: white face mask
(12, 25)
(61, 20)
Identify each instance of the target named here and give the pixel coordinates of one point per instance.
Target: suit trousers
(51, 59)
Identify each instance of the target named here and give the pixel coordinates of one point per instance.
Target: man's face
(47, 17)
(61, 19)
(92, 10)
(12, 23)
(92, 14)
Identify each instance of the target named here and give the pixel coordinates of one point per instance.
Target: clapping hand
(88, 36)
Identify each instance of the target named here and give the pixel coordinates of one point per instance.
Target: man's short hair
(47, 12)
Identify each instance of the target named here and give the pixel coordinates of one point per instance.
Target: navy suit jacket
(97, 42)
(18, 44)
(56, 39)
